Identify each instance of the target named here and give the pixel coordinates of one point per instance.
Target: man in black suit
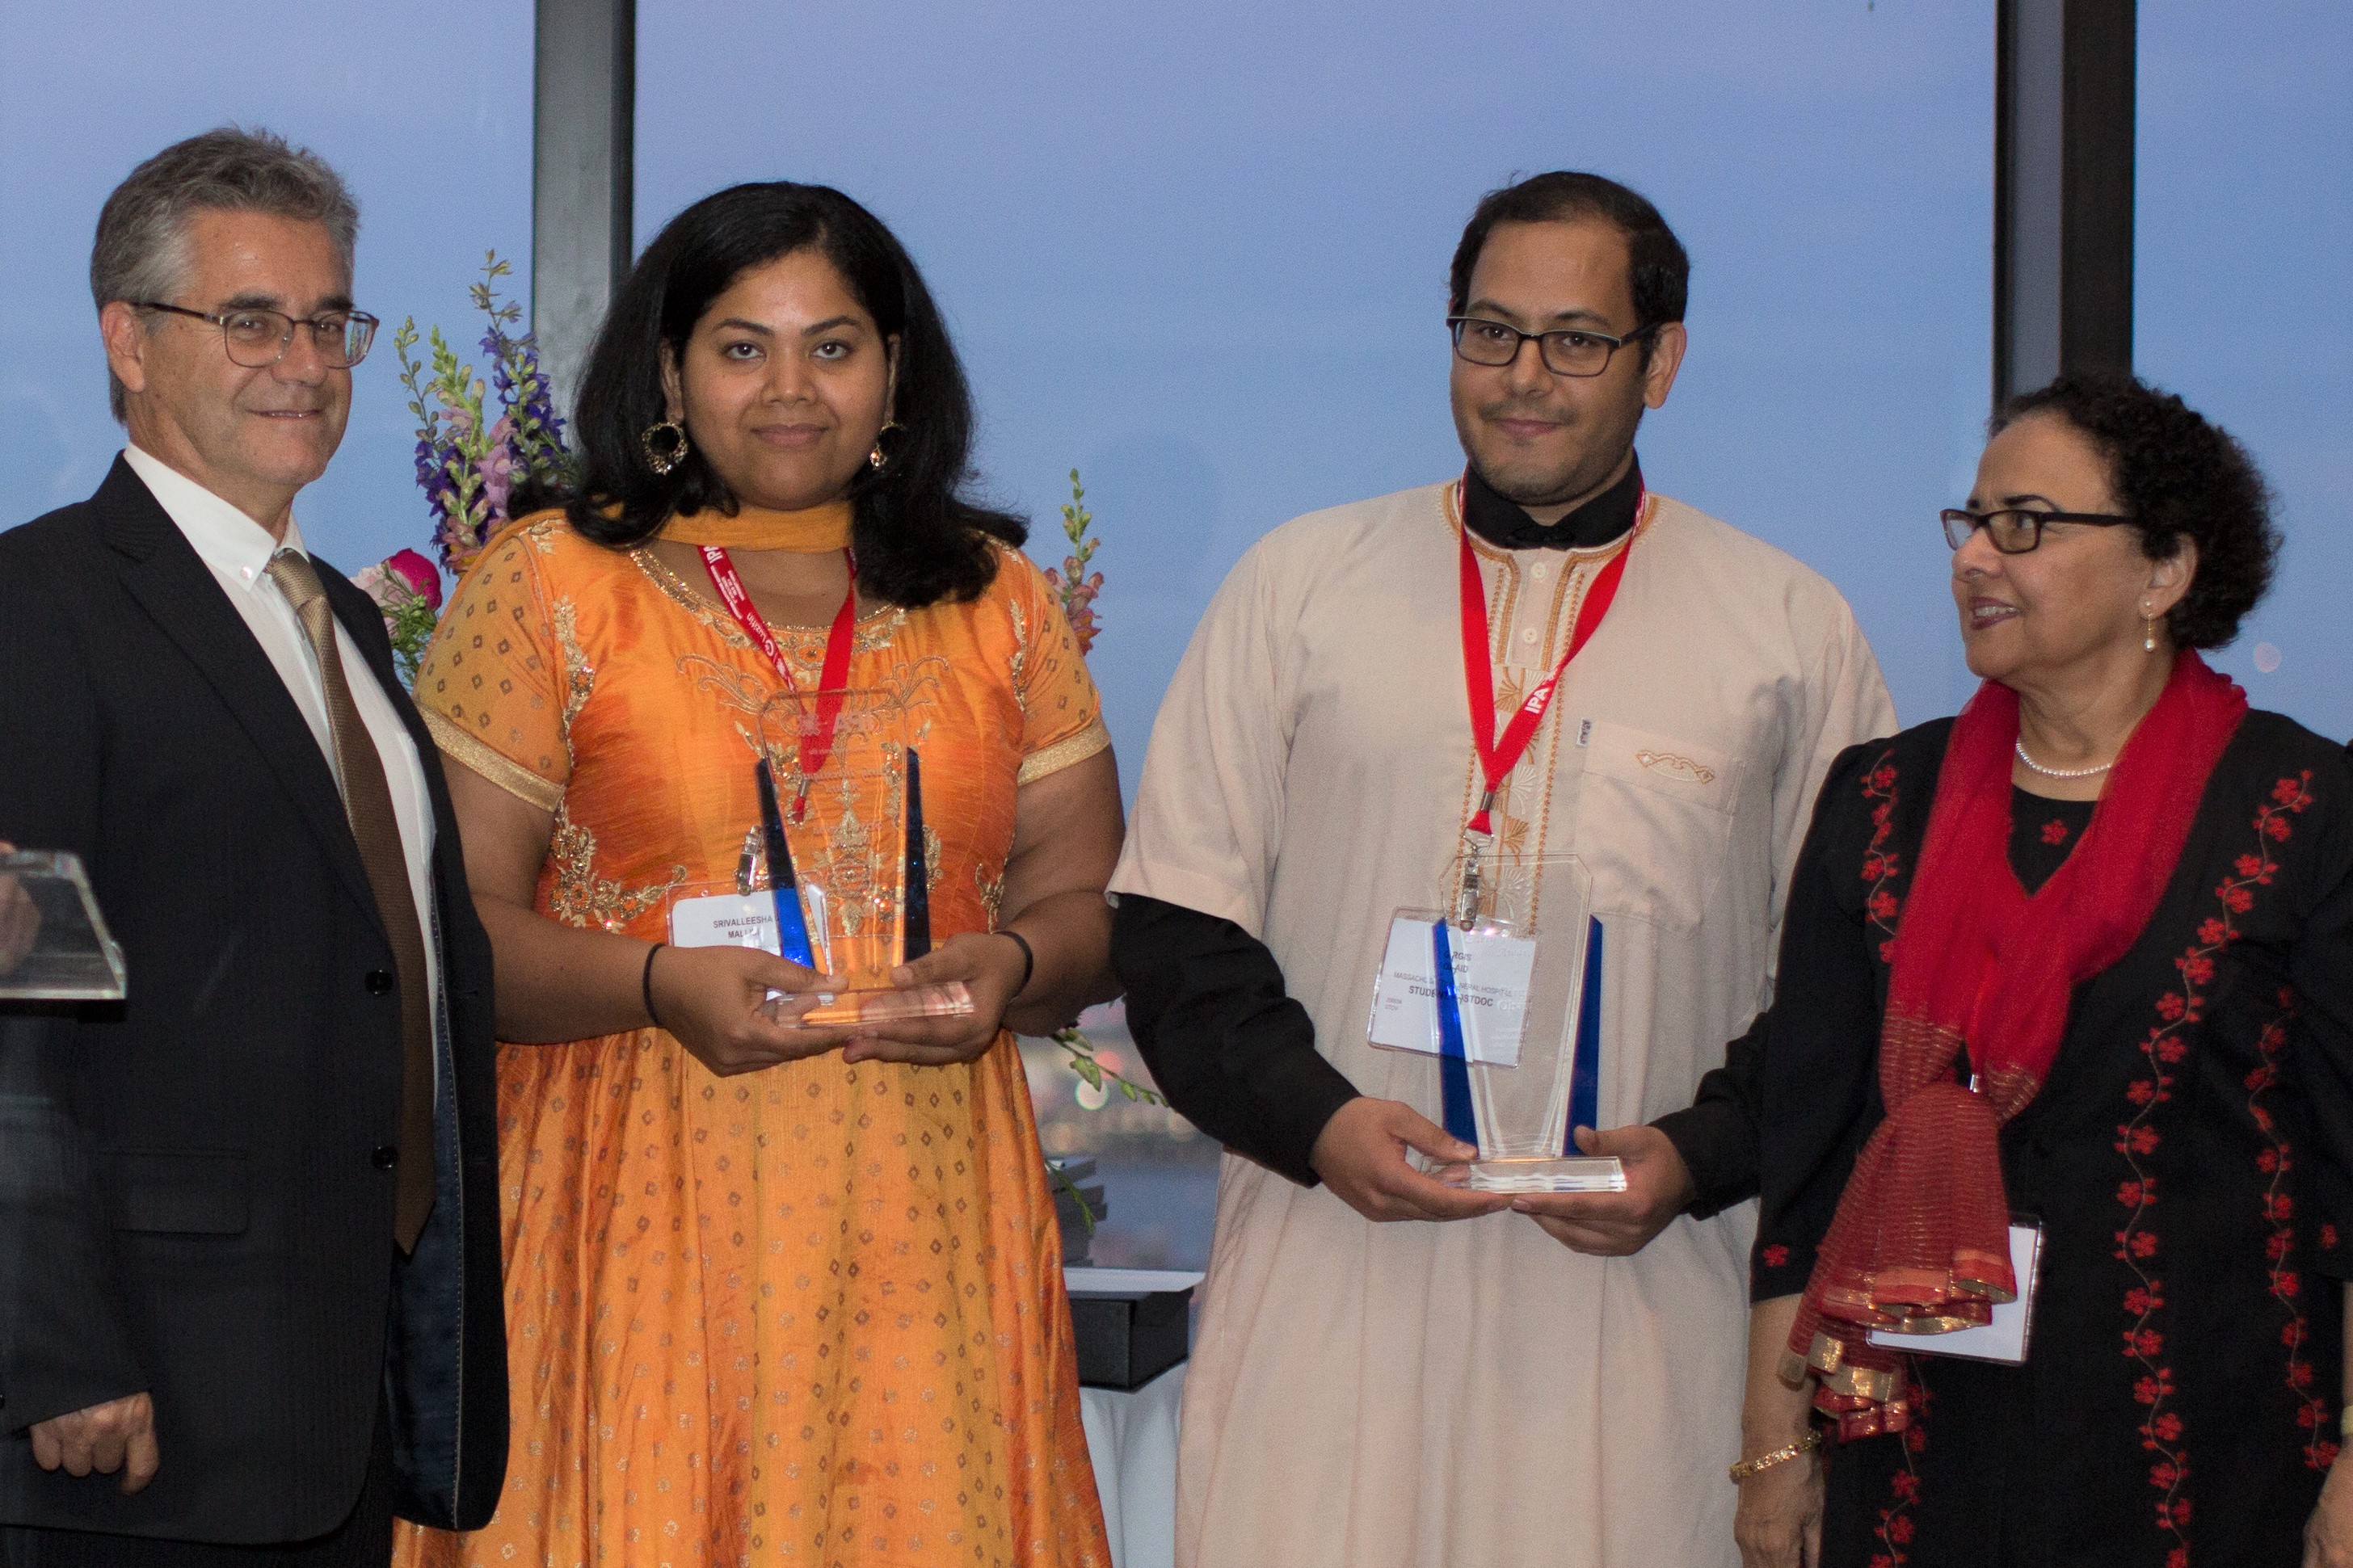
(249, 1302)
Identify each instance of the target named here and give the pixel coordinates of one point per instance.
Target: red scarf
(1921, 1239)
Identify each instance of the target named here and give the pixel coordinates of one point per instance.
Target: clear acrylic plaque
(860, 876)
(1520, 1097)
(54, 944)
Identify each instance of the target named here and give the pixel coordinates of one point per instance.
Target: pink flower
(415, 574)
(497, 465)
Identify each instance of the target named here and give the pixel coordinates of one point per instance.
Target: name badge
(740, 920)
(2005, 1339)
(1491, 971)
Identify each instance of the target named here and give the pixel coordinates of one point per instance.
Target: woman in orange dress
(776, 1293)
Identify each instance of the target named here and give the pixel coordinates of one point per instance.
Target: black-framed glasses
(2016, 529)
(258, 337)
(1575, 352)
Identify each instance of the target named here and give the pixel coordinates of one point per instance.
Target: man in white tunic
(1392, 1369)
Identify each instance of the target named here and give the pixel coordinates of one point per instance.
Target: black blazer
(196, 1197)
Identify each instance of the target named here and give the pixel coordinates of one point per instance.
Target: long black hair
(918, 539)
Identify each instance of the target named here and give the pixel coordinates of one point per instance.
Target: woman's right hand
(1779, 1521)
(711, 999)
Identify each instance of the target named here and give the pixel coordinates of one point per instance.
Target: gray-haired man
(249, 1304)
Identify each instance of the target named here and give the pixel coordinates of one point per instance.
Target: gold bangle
(1747, 1467)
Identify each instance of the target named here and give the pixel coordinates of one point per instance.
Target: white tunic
(1474, 1392)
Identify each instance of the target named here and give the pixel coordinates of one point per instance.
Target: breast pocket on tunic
(1654, 822)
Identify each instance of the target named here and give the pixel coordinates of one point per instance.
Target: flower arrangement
(1076, 588)
(466, 462)
(408, 588)
(469, 461)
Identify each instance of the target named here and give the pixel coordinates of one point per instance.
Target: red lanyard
(816, 739)
(1498, 757)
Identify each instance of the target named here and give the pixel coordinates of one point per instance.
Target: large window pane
(1201, 253)
(424, 107)
(2242, 298)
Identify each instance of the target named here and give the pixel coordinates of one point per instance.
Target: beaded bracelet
(1747, 1467)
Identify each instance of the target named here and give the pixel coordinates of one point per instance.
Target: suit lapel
(163, 573)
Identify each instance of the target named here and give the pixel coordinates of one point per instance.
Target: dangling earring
(877, 459)
(665, 445)
(2148, 631)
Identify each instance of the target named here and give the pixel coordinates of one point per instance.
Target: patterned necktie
(367, 802)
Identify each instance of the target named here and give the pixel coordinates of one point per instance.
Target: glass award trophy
(1497, 988)
(835, 875)
(54, 944)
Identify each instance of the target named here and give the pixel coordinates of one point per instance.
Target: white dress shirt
(238, 551)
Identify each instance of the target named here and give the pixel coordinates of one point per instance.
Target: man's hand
(119, 1434)
(1617, 1224)
(1360, 1154)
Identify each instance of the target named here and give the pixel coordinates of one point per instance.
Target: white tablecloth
(1132, 1438)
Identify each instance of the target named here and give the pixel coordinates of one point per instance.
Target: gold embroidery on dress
(480, 757)
(580, 897)
(1061, 754)
(579, 675)
(802, 645)
(992, 888)
(840, 862)
(736, 687)
(674, 588)
(1016, 666)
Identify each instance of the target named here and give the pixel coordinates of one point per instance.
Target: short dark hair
(2180, 477)
(1659, 273)
(918, 539)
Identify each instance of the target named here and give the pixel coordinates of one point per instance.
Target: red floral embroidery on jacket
(1881, 865)
(1895, 1524)
(2138, 1246)
(2273, 825)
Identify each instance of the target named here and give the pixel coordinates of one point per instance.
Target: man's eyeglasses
(2014, 531)
(258, 339)
(1572, 353)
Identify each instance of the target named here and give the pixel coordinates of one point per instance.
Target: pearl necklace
(2061, 773)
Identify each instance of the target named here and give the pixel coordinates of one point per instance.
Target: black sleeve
(2320, 1035)
(1720, 1135)
(1716, 1133)
(1816, 1050)
(1233, 1052)
(64, 1345)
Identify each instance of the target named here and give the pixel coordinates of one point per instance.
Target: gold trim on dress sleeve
(1053, 759)
(479, 757)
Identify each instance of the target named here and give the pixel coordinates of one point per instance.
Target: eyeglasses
(258, 339)
(1575, 353)
(2014, 531)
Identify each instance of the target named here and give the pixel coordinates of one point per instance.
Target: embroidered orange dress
(812, 1314)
